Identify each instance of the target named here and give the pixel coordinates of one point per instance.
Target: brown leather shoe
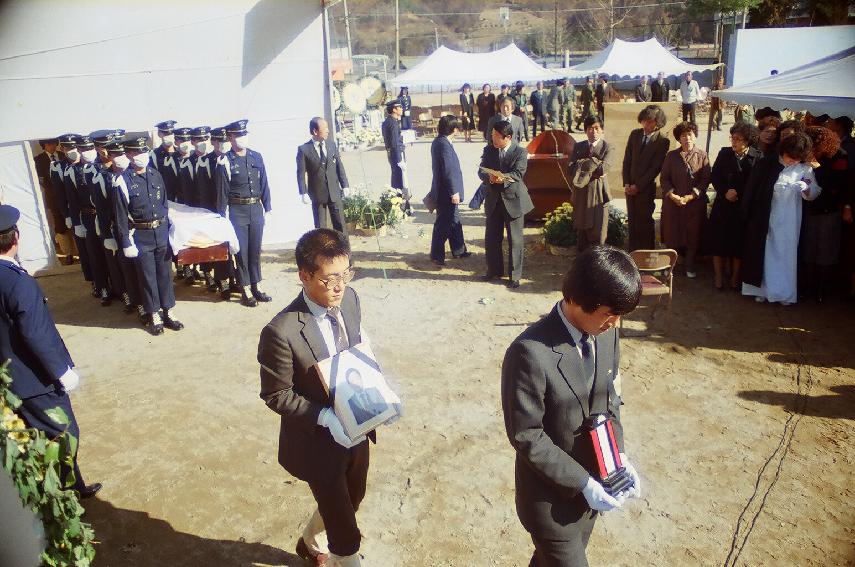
(311, 558)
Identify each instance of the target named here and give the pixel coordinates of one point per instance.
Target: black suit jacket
(643, 93)
(660, 91)
(393, 141)
(288, 348)
(545, 401)
(325, 181)
(514, 193)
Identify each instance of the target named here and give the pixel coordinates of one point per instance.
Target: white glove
(80, 231)
(305, 198)
(131, 251)
(70, 380)
(68, 223)
(635, 491)
(111, 244)
(328, 419)
(597, 497)
(403, 165)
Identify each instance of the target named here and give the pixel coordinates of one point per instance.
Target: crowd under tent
(70, 67)
(633, 59)
(449, 68)
(824, 86)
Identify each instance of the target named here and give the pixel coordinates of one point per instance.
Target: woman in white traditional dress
(783, 184)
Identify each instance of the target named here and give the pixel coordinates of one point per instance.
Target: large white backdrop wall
(81, 66)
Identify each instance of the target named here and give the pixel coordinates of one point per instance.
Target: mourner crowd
(109, 195)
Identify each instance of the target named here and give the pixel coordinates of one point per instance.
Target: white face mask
(121, 162)
(242, 142)
(89, 155)
(72, 155)
(203, 147)
(225, 147)
(185, 147)
(168, 140)
(141, 160)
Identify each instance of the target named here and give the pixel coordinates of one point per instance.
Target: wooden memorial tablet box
(603, 458)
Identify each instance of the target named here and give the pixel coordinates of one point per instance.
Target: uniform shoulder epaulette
(14, 267)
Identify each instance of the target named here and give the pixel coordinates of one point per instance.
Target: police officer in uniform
(142, 226)
(224, 272)
(203, 193)
(241, 182)
(60, 181)
(394, 143)
(42, 369)
(163, 157)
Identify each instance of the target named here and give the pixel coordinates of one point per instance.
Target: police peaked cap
(219, 134)
(165, 126)
(115, 147)
(392, 104)
(68, 140)
(182, 134)
(201, 132)
(9, 216)
(238, 127)
(102, 137)
(84, 142)
(135, 144)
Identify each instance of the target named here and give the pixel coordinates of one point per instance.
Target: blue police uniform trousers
(80, 243)
(94, 252)
(154, 268)
(129, 275)
(248, 221)
(32, 411)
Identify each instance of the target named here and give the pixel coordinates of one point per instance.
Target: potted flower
(372, 221)
(559, 234)
(618, 231)
(391, 201)
(354, 206)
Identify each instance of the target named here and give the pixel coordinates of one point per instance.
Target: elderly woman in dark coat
(486, 103)
(590, 160)
(685, 177)
(729, 174)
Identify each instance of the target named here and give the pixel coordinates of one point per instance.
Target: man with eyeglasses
(324, 319)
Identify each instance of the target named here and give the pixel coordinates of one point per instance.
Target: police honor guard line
(142, 226)
(244, 195)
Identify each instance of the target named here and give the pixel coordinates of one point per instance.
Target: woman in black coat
(406, 107)
(729, 175)
(467, 111)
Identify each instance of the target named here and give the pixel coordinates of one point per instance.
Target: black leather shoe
(248, 301)
(260, 295)
(211, 284)
(513, 284)
(155, 325)
(438, 262)
(172, 324)
(106, 300)
(90, 490)
(489, 277)
(462, 255)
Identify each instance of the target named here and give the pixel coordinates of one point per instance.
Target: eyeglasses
(334, 280)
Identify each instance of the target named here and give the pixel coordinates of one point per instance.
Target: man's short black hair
(653, 112)
(591, 120)
(320, 244)
(746, 131)
(8, 238)
(603, 276)
(447, 125)
(315, 124)
(846, 123)
(798, 146)
(504, 128)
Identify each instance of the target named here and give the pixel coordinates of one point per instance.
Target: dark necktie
(322, 153)
(588, 364)
(644, 141)
(340, 338)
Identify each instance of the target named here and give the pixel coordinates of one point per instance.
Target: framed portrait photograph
(360, 396)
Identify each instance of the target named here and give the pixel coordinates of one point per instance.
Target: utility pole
(555, 45)
(436, 36)
(347, 30)
(397, 40)
(611, 21)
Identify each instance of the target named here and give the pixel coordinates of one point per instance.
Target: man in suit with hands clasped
(319, 163)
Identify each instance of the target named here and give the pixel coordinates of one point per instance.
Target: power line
(564, 10)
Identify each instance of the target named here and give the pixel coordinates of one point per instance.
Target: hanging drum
(374, 90)
(353, 98)
(336, 99)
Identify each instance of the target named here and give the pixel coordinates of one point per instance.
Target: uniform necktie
(340, 338)
(587, 360)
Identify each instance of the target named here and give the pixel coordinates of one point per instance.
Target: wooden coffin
(216, 253)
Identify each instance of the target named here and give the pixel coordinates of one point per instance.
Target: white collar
(9, 259)
(575, 333)
(317, 311)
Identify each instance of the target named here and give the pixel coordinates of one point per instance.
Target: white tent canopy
(823, 87)
(633, 59)
(446, 67)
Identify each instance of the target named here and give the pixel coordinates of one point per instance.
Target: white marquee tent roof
(453, 68)
(633, 59)
(824, 86)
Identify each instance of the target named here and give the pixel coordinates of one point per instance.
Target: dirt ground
(739, 417)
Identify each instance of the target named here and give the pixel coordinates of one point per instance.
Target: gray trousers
(565, 553)
(329, 215)
(498, 222)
